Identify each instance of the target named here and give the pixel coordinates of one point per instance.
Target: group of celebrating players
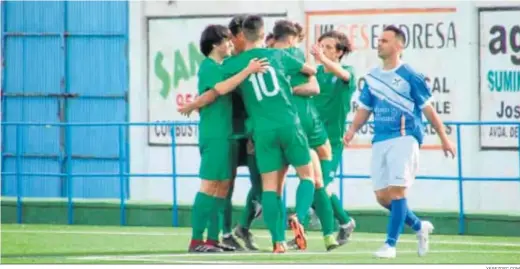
(262, 106)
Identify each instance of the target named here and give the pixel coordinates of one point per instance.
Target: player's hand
(317, 52)
(349, 136)
(257, 66)
(185, 109)
(448, 147)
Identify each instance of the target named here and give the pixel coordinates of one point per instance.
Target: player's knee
(396, 192)
(223, 188)
(209, 187)
(270, 181)
(325, 151)
(305, 172)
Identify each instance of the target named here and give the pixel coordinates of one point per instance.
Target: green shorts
(337, 153)
(315, 130)
(279, 147)
(218, 159)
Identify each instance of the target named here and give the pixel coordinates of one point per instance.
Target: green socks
(228, 212)
(271, 214)
(282, 220)
(202, 208)
(339, 213)
(325, 171)
(304, 198)
(249, 211)
(323, 209)
(214, 220)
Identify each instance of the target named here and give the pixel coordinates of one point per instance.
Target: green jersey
(215, 118)
(333, 102)
(303, 103)
(267, 96)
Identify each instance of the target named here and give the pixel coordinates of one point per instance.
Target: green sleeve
(350, 85)
(209, 76)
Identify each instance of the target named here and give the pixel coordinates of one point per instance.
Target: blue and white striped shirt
(396, 98)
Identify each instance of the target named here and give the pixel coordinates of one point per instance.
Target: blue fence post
(68, 170)
(462, 223)
(175, 209)
(18, 167)
(341, 178)
(122, 176)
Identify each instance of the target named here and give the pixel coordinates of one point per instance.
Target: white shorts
(394, 162)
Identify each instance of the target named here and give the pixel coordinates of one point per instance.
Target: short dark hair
(235, 25)
(299, 28)
(251, 26)
(397, 31)
(269, 36)
(212, 35)
(342, 44)
(283, 29)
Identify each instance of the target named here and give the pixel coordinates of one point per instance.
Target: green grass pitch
(147, 245)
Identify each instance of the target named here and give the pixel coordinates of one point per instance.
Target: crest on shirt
(396, 82)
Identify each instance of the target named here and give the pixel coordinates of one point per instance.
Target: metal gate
(64, 62)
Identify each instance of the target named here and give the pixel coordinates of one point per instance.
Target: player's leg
(346, 223)
(322, 205)
(207, 204)
(238, 159)
(281, 205)
(242, 230)
(270, 161)
(401, 161)
(296, 152)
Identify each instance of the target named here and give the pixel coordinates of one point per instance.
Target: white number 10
(257, 79)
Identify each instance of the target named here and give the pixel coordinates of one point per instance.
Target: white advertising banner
(173, 61)
(432, 48)
(499, 62)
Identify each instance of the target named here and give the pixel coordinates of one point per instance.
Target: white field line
(358, 239)
(166, 257)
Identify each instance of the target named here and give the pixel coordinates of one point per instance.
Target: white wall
(425, 194)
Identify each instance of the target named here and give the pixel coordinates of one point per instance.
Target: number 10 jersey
(267, 96)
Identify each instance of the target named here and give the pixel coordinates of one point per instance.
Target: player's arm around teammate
(398, 96)
(276, 131)
(214, 140)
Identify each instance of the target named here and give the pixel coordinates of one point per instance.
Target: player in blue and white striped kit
(398, 96)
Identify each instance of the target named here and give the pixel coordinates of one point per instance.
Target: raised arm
(332, 66)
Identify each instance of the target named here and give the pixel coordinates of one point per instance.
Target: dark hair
(211, 36)
(283, 29)
(299, 28)
(235, 25)
(398, 32)
(251, 27)
(342, 42)
(269, 36)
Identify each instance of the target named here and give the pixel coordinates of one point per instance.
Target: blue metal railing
(123, 175)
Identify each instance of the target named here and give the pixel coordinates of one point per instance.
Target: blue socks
(411, 219)
(398, 214)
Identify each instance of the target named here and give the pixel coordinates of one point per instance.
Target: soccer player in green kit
(337, 84)
(243, 156)
(277, 133)
(215, 136)
(287, 35)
